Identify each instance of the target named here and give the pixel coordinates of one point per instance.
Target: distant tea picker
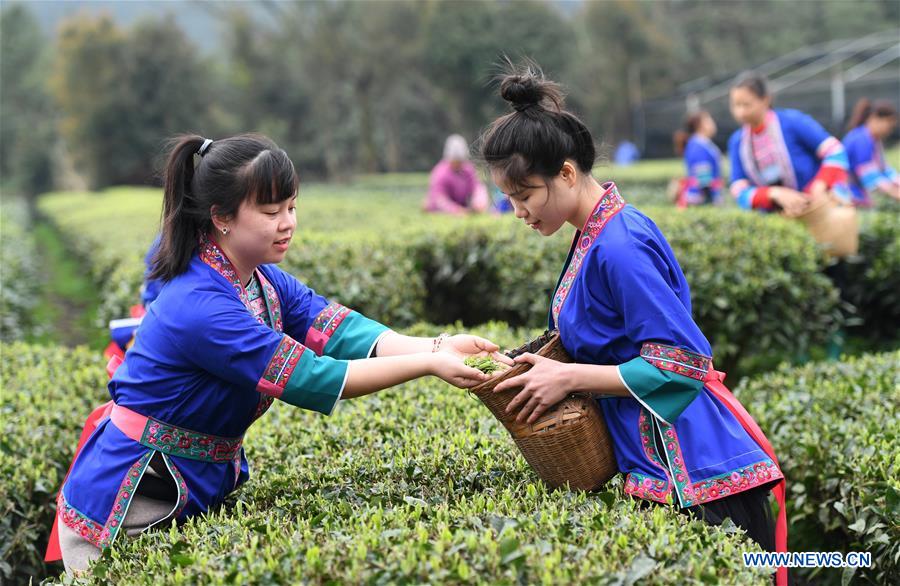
(870, 173)
(454, 186)
(122, 330)
(784, 161)
(702, 160)
(228, 333)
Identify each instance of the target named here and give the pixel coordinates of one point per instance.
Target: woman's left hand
(464, 345)
(545, 385)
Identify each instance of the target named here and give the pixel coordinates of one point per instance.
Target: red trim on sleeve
(830, 175)
(761, 200)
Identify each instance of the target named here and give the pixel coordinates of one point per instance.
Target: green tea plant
(416, 484)
(20, 278)
(836, 429)
(485, 364)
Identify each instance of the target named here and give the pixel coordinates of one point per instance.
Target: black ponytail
(864, 109)
(860, 113)
(227, 173)
(539, 135)
(691, 125)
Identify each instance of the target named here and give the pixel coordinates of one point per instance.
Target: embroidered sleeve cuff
(751, 197)
(344, 334)
(665, 394)
(303, 379)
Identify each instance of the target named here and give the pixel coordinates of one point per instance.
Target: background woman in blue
(622, 307)
(779, 157)
(228, 334)
(121, 331)
(702, 161)
(869, 125)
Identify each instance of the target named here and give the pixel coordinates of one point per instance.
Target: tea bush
(755, 280)
(415, 484)
(836, 429)
(20, 277)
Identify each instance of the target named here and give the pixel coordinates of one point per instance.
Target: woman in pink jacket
(454, 186)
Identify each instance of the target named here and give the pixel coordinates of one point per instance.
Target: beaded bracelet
(436, 345)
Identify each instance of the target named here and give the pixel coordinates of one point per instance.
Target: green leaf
(858, 527)
(510, 552)
(642, 566)
(416, 502)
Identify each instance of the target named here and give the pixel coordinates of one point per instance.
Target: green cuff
(355, 337)
(665, 394)
(317, 383)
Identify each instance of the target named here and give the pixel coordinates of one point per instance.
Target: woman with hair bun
(227, 335)
(869, 125)
(623, 311)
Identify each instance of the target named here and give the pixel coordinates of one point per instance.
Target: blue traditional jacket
(801, 152)
(151, 287)
(209, 359)
(623, 300)
(702, 160)
(868, 169)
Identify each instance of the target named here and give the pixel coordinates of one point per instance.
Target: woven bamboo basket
(569, 443)
(835, 227)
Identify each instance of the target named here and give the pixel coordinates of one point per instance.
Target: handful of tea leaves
(485, 364)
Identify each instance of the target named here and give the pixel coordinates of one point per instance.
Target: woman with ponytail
(227, 335)
(702, 159)
(869, 125)
(623, 311)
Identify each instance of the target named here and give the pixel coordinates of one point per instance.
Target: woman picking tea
(623, 310)
(228, 334)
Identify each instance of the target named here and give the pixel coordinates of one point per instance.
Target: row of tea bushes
(421, 481)
(416, 484)
(653, 174)
(836, 429)
(20, 278)
(47, 393)
(105, 229)
(756, 281)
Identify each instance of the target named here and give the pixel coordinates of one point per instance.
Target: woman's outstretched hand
(543, 386)
(464, 345)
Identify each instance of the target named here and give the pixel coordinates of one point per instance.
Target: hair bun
(525, 87)
(521, 91)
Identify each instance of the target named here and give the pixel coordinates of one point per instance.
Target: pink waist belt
(174, 440)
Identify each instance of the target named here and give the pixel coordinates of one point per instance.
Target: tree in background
(364, 87)
(123, 93)
(27, 123)
(352, 86)
(463, 46)
(623, 50)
